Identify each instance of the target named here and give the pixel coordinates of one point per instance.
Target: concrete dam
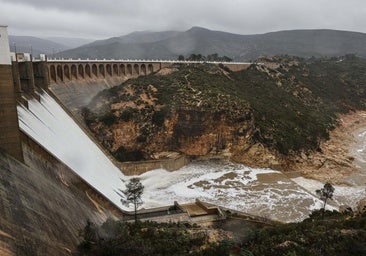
(53, 176)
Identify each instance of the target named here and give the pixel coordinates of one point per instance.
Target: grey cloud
(108, 18)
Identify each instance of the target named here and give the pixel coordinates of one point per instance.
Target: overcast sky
(106, 18)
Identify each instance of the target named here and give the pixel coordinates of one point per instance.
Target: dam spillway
(50, 126)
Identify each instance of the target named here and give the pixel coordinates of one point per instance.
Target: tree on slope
(325, 193)
(132, 194)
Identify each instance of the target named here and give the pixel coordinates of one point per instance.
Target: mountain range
(170, 44)
(197, 40)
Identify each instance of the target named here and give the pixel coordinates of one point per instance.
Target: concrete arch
(67, 71)
(74, 72)
(122, 70)
(129, 69)
(60, 73)
(115, 70)
(53, 73)
(143, 69)
(81, 71)
(109, 69)
(101, 70)
(136, 69)
(95, 70)
(87, 70)
(150, 69)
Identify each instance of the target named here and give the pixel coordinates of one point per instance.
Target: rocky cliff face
(138, 121)
(261, 116)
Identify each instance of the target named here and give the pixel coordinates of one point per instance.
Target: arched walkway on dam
(68, 71)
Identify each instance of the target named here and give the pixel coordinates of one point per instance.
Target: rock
(361, 207)
(345, 209)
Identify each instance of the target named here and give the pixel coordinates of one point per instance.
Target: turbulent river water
(262, 192)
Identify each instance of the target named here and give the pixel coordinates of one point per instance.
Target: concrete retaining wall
(137, 168)
(237, 67)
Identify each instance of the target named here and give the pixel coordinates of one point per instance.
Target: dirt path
(336, 161)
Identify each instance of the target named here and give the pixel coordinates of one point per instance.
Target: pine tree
(132, 194)
(325, 193)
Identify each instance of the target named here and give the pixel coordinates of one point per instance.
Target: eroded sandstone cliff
(264, 116)
(139, 121)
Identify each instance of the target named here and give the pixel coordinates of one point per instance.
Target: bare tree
(132, 194)
(325, 193)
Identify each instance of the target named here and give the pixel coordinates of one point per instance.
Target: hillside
(170, 44)
(70, 42)
(255, 116)
(136, 37)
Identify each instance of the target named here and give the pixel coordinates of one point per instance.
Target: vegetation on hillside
(294, 101)
(334, 234)
(200, 57)
(148, 238)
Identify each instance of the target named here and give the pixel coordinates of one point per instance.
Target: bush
(128, 114)
(108, 118)
(159, 116)
(123, 155)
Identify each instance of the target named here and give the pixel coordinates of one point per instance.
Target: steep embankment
(341, 156)
(262, 116)
(43, 206)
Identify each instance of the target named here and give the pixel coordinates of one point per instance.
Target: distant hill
(137, 37)
(51, 45)
(70, 42)
(170, 44)
(35, 45)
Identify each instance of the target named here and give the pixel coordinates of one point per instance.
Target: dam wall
(43, 206)
(37, 154)
(9, 128)
(78, 93)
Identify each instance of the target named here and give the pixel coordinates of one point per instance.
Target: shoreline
(338, 161)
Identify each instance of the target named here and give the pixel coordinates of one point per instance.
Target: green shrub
(108, 118)
(123, 155)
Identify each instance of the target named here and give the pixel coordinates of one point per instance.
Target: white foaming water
(48, 124)
(261, 192)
